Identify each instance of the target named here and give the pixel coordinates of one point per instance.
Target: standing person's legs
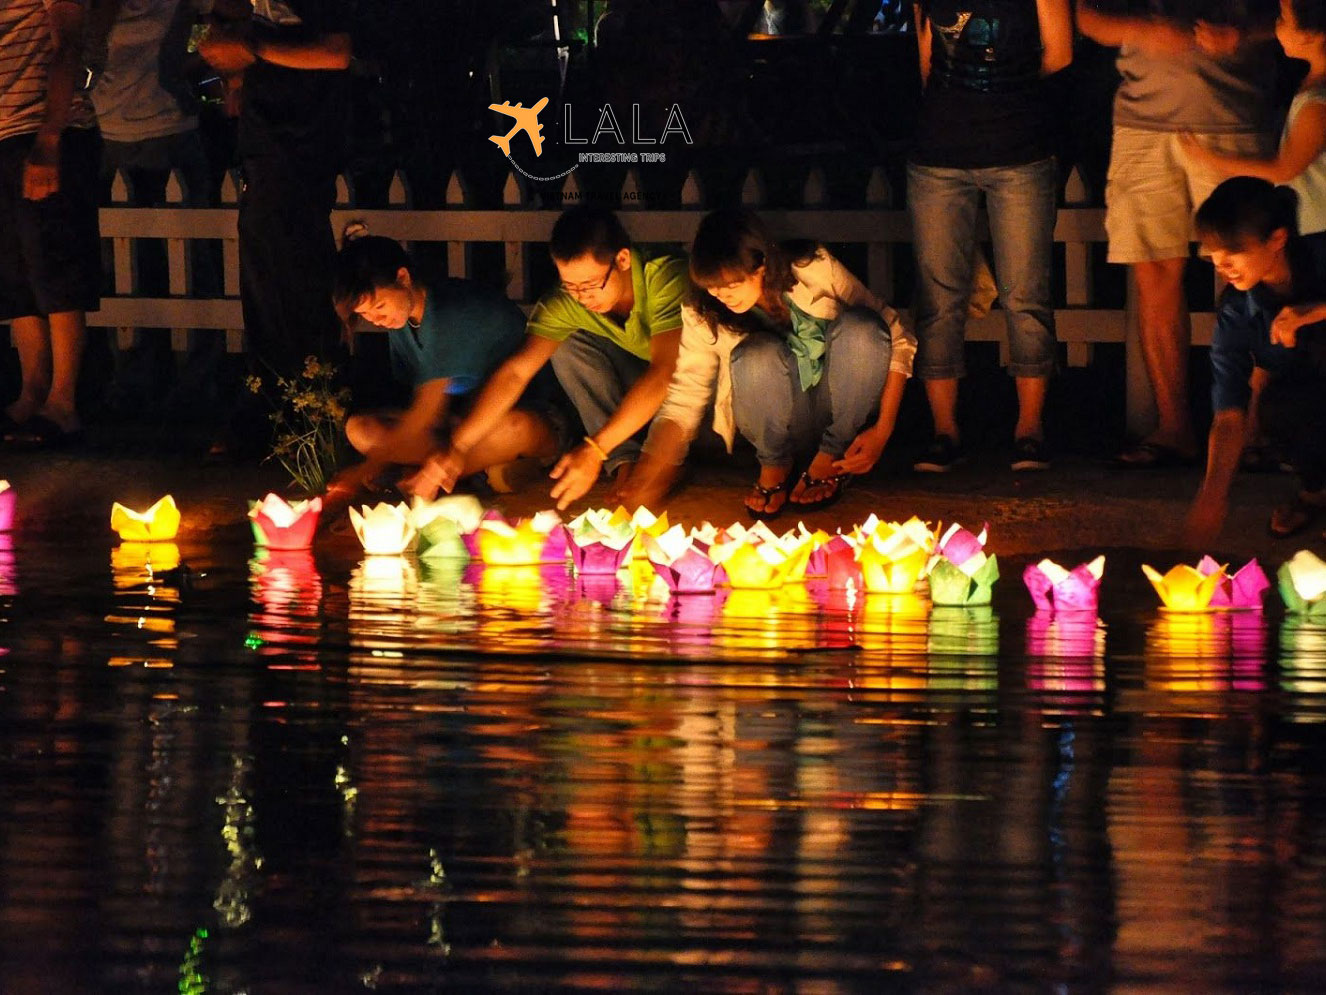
(772, 411)
(1149, 222)
(286, 251)
(58, 239)
(1022, 209)
(942, 204)
(596, 374)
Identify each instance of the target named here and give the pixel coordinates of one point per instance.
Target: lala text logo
(609, 130)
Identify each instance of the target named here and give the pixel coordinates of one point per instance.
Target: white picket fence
(884, 229)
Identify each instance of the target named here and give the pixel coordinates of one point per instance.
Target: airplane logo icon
(527, 120)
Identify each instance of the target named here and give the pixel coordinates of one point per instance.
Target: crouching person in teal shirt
(611, 331)
(445, 337)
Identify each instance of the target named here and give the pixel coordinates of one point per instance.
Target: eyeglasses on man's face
(580, 289)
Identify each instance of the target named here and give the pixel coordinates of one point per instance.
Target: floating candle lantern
(385, 529)
(599, 542)
(816, 564)
(443, 524)
(1302, 584)
(7, 502)
(893, 556)
(1054, 588)
(1240, 591)
(683, 562)
(529, 542)
(1185, 588)
(841, 568)
(756, 565)
(970, 583)
(158, 523)
(958, 545)
(279, 525)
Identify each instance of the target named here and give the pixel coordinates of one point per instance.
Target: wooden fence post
(1078, 290)
(517, 263)
(230, 190)
(179, 270)
(460, 255)
(879, 255)
(122, 254)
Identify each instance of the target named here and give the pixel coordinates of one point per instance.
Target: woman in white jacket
(795, 354)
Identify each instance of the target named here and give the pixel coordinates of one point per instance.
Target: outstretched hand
(864, 452)
(576, 472)
(439, 472)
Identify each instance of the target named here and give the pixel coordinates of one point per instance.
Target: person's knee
(1160, 278)
(860, 328)
(757, 357)
(362, 431)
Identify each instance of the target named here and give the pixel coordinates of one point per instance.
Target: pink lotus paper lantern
(7, 503)
(159, 523)
(893, 556)
(529, 542)
(678, 559)
(841, 568)
(1053, 588)
(279, 525)
(384, 529)
(1240, 591)
(958, 545)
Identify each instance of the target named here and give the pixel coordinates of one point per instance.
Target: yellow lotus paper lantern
(1185, 588)
(893, 556)
(158, 523)
(384, 529)
(755, 565)
(529, 542)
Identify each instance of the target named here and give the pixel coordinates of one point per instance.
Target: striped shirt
(26, 48)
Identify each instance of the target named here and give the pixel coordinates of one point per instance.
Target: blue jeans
(1020, 202)
(596, 373)
(780, 419)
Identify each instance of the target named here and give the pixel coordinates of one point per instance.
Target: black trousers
(286, 254)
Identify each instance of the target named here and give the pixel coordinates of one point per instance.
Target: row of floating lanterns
(875, 557)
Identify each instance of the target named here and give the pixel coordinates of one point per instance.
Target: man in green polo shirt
(611, 331)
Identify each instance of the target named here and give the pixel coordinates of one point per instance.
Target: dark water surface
(321, 775)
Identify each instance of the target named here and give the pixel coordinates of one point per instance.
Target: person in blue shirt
(445, 338)
(1270, 317)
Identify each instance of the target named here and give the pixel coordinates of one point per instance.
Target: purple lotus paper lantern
(1054, 588)
(599, 542)
(7, 504)
(1239, 591)
(684, 567)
